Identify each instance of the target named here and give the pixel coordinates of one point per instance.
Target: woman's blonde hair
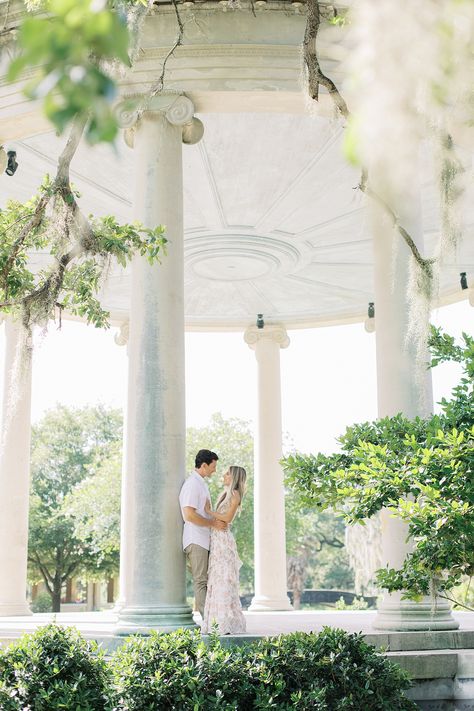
(239, 477)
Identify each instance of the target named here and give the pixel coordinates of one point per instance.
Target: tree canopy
(68, 446)
(422, 470)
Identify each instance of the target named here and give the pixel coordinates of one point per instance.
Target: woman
(222, 600)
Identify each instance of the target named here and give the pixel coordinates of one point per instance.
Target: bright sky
(328, 375)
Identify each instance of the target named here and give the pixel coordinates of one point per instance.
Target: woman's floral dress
(222, 600)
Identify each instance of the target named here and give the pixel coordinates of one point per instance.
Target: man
(197, 523)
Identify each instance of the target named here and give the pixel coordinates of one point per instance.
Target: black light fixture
(464, 284)
(12, 165)
(260, 321)
(371, 309)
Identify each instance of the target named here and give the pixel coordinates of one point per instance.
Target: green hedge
(52, 669)
(331, 671)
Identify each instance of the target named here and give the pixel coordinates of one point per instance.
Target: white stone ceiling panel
(202, 204)
(257, 159)
(324, 199)
(272, 222)
(307, 295)
(348, 228)
(345, 251)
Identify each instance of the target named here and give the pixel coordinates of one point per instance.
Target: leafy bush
(421, 470)
(52, 669)
(176, 671)
(42, 603)
(330, 671)
(358, 603)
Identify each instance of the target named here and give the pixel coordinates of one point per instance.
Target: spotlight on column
(463, 279)
(260, 321)
(12, 164)
(369, 323)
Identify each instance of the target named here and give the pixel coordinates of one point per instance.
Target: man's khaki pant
(197, 559)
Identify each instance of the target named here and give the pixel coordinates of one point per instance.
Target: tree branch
(69, 571)
(310, 54)
(158, 87)
(47, 577)
(64, 162)
(317, 77)
(425, 264)
(34, 222)
(456, 602)
(331, 542)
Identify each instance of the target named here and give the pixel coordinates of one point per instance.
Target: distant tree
(315, 547)
(421, 470)
(94, 506)
(68, 445)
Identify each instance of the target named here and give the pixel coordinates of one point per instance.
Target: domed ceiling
(273, 222)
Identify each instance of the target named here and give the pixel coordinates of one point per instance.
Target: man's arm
(191, 516)
(228, 516)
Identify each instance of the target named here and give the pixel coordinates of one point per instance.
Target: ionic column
(15, 470)
(403, 385)
(152, 561)
(269, 506)
(121, 339)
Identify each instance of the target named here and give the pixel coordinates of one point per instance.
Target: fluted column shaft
(15, 471)
(403, 385)
(152, 561)
(269, 506)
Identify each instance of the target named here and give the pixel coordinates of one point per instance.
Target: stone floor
(100, 625)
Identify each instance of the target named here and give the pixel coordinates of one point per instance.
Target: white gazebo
(262, 218)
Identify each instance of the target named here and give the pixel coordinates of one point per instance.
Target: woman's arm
(228, 516)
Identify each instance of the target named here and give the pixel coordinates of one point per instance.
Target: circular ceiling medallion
(240, 257)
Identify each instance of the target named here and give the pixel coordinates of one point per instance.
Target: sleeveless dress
(222, 599)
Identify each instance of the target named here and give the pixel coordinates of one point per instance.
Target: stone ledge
(412, 641)
(425, 665)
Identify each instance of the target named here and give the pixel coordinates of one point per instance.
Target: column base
(262, 603)
(119, 604)
(405, 615)
(14, 609)
(142, 620)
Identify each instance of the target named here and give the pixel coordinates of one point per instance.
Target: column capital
(178, 110)
(275, 332)
(121, 337)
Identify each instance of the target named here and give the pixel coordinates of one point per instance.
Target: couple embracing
(209, 545)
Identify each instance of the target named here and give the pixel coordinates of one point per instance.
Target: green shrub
(358, 603)
(52, 669)
(330, 671)
(42, 603)
(176, 671)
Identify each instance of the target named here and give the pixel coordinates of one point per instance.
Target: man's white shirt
(195, 493)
